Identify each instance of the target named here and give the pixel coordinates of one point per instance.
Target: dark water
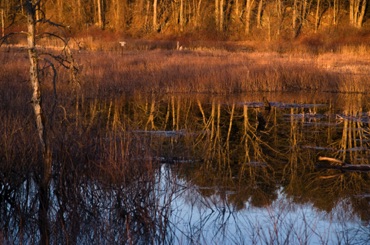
(196, 169)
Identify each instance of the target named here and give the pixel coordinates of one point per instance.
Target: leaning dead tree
(34, 16)
(35, 83)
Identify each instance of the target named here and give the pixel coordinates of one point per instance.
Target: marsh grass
(221, 72)
(217, 71)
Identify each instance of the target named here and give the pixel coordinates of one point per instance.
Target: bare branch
(4, 38)
(50, 34)
(333, 160)
(60, 59)
(55, 74)
(43, 20)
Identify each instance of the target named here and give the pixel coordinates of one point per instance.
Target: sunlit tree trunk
(217, 14)
(181, 16)
(361, 13)
(317, 15)
(280, 17)
(237, 10)
(295, 14)
(259, 14)
(197, 17)
(100, 14)
(300, 11)
(357, 9)
(248, 12)
(221, 15)
(335, 12)
(30, 8)
(352, 11)
(155, 3)
(119, 15)
(2, 21)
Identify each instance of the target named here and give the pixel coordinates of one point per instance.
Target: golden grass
(206, 71)
(222, 72)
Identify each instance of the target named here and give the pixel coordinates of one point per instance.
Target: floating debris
(320, 148)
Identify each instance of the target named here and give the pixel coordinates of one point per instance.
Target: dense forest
(213, 19)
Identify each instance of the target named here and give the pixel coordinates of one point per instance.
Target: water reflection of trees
(107, 152)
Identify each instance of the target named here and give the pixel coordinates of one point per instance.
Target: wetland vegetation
(176, 139)
(136, 162)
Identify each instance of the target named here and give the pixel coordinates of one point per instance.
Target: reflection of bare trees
(352, 145)
(123, 166)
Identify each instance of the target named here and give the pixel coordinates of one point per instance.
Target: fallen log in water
(338, 164)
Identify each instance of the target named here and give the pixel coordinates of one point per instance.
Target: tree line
(231, 18)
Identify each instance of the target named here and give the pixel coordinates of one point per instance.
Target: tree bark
(335, 12)
(155, 3)
(100, 14)
(217, 14)
(248, 12)
(30, 8)
(181, 21)
(259, 14)
(317, 15)
(221, 15)
(361, 14)
(2, 23)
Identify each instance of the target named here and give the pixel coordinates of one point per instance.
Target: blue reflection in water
(197, 219)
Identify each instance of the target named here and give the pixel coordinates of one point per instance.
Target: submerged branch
(338, 164)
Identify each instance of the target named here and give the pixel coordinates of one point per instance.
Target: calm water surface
(213, 170)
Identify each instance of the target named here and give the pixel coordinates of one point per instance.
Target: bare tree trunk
(357, 9)
(317, 15)
(30, 8)
(118, 12)
(181, 15)
(197, 18)
(300, 12)
(335, 12)
(248, 12)
(237, 11)
(217, 14)
(259, 14)
(2, 23)
(34, 75)
(155, 3)
(361, 13)
(221, 18)
(280, 15)
(352, 11)
(294, 15)
(100, 14)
